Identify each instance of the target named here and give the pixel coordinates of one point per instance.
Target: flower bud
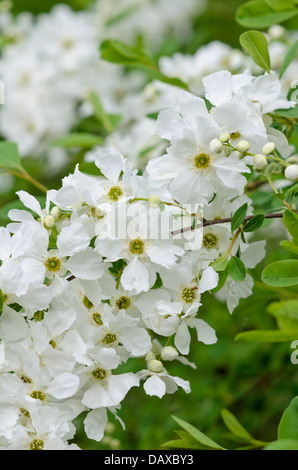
(169, 353)
(291, 173)
(239, 155)
(260, 162)
(150, 356)
(55, 212)
(269, 148)
(49, 221)
(216, 146)
(293, 159)
(243, 146)
(154, 201)
(276, 31)
(155, 366)
(224, 138)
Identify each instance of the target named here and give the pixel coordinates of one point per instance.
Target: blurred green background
(256, 382)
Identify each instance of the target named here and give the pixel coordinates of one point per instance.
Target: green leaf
(291, 55)
(281, 273)
(286, 314)
(220, 264)
(290, 246)
(198, 435)
(256, 44)
(255, 223)
(221, 282)
(117, 52)
(182, 444)
(281, 5)
(9, 156)
(238, 217)
(100, 113)
(235, 427)
(78, 139)
(257, 14)
(288, 426)
(236, 269)
(267, 336)
(288, 113)
(283, 444)
(291, 222)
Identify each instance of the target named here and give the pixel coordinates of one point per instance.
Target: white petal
(29, 201)
(218, 87)
(165, 255)
(155, 386)
(110, 162)
(205, 333)
(64, 385)
(72, 238)
(209, 280)
(135, 277)
(5, 238)
(86, 265)
(182, 338)
(95, 424)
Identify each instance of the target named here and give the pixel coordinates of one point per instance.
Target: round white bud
(154, 201)
(269, 148)
(224, 138)
(168, 353)
(291, 173)
(216, 146)
(49, 221)
(155, 365)
(243, 146)
(55, 212)
(293, 159)
(276, 31)
(150, 356)
(260, 162)
(239, 155)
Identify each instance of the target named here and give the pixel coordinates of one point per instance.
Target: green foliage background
(256, 382)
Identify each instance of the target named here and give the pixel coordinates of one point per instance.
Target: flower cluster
(114, 268)
(51, 64)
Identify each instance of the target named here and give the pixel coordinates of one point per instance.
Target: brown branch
(207, 223)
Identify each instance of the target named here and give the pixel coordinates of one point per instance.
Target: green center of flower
(88, 304)
(25, 412)
(137, 247)
(99, 374)
(210, 240)
(26, 379)
(235, 135)
(123, 303)
(115, 193)
(202, 161)
(109, 338)
(37, 444)
(189, 295)
(53, 264)
(97, 213)
(38, 395)
(97, 318)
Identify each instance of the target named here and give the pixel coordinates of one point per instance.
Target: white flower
(105, 389)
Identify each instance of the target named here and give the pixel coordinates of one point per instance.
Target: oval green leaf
(281, 273)
(256, 44)
(257, 14)
(288, 426)
(236, 269)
